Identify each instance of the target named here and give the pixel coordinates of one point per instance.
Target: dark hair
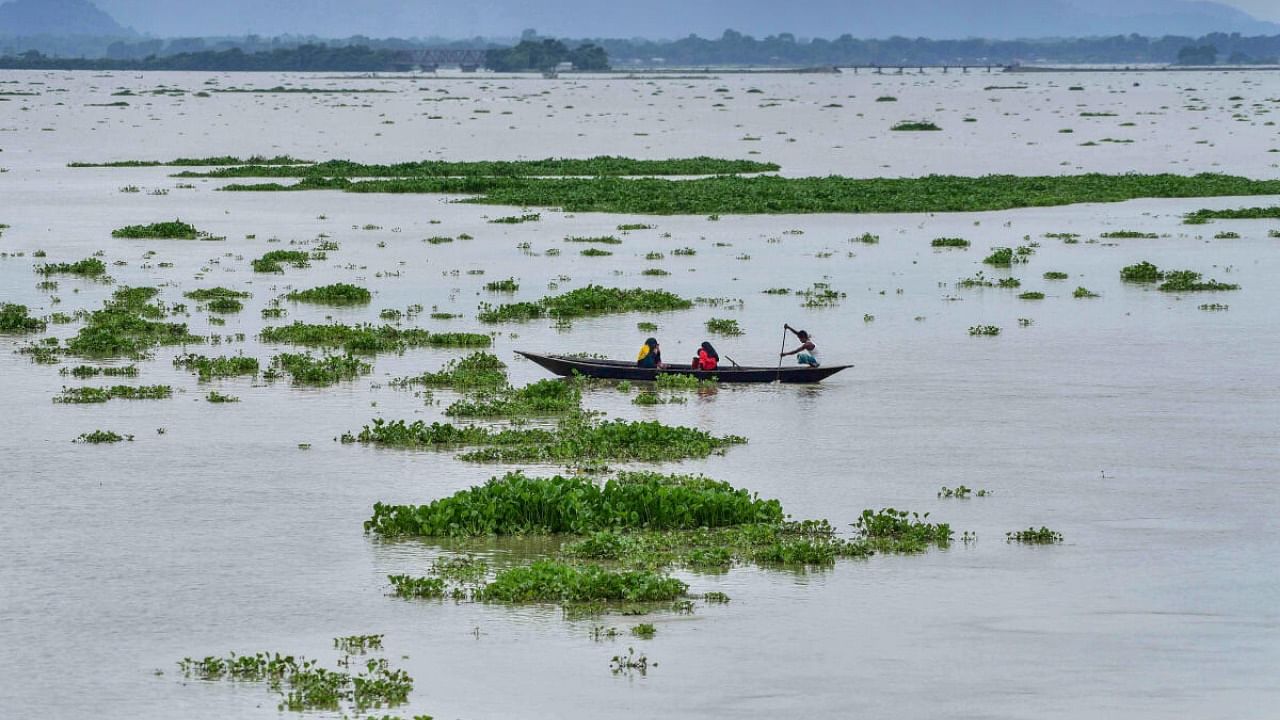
(710, 350)
(802, 334)
(651, 342)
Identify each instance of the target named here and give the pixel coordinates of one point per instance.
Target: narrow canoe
(623, 370)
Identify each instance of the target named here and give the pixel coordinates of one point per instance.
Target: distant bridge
(429, 59)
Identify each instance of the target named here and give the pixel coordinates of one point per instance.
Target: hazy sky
(655, 18)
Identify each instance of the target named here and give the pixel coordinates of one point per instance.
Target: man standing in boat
(807, 353)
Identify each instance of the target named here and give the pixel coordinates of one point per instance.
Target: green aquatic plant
(1083, 292)
(1129, 234)
(1141, 272)
(310, 371)
(215, 293)
(516, 504)
(1200, 217)
(891, 530)
(207, 368)
(275, 260)
(216, 397)
(407, 586)
(574, 439)
(774, 194)
(1226, 235)
(517, 219)
(644, 631)
(585, 301)
(1001, 257)
(99, 437)
(587, 167)
(335, 294)
(368, 339)
(358, 644)
(128, 325)
(629, 227)
(509, 285)
(559, 582)
(1191, 281)
(984, 330)
(1032, 536)
(303, 685)
(88, 371)
(1056, 275)
(723, 326)
(82, 395)
(14, 319)
(909, 125)
(544, 397)
(89, 267)
(479, 370)
(594, 252)
(949, 242)
(602, 239)
(1033, 295)
(176, 230)
(224, 160)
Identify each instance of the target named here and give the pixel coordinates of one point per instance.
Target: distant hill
(57, 17)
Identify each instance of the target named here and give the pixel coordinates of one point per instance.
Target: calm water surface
(1143, 428)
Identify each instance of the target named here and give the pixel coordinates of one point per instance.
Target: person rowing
(650, 355)
(807, 353)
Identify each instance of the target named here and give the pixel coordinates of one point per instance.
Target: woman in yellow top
(650, 354)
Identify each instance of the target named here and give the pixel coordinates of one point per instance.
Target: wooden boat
(623, 370)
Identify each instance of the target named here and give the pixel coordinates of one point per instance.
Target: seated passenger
(650, 355)
(707, 358)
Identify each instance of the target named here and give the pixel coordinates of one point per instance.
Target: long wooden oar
(780, 351)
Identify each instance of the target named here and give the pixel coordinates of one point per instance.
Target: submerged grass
(773, 194)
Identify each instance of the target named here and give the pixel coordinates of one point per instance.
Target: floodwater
(1145, 429)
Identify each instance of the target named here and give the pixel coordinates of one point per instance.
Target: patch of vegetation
(176, 230)
(589, 167)
(208, 368)
(517, 219)
(1141, 272)
(1032, 536)
(303, 685)
(216, 397)
(559, 582)
(1056, 275)
(544, 397)
(595, 252)
(602, 240)
(910, 126)
(589, 300)
(128, 325)
(1191, 281)
(335, 294)
(215, 293)
(629, 227)
(574, 439)
(1001, 257)
(89, 267)
(1083, 292)
(775, 194)
(14, 319)
(1034, 295)
(98, 437)
(519, 505)
(962, 492)
(310, 371)
(1129, 235)
(275, 260)
(984, 330)
(1226, 235)
(84, 372)
(196, 162)
(723, 326)
(368, 339)
(949, 242)
(84, 395)
(509, 285)
(476, 371)
(1199, 217)
(891, 530)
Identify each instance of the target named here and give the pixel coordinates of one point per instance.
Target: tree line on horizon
(732, 48)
